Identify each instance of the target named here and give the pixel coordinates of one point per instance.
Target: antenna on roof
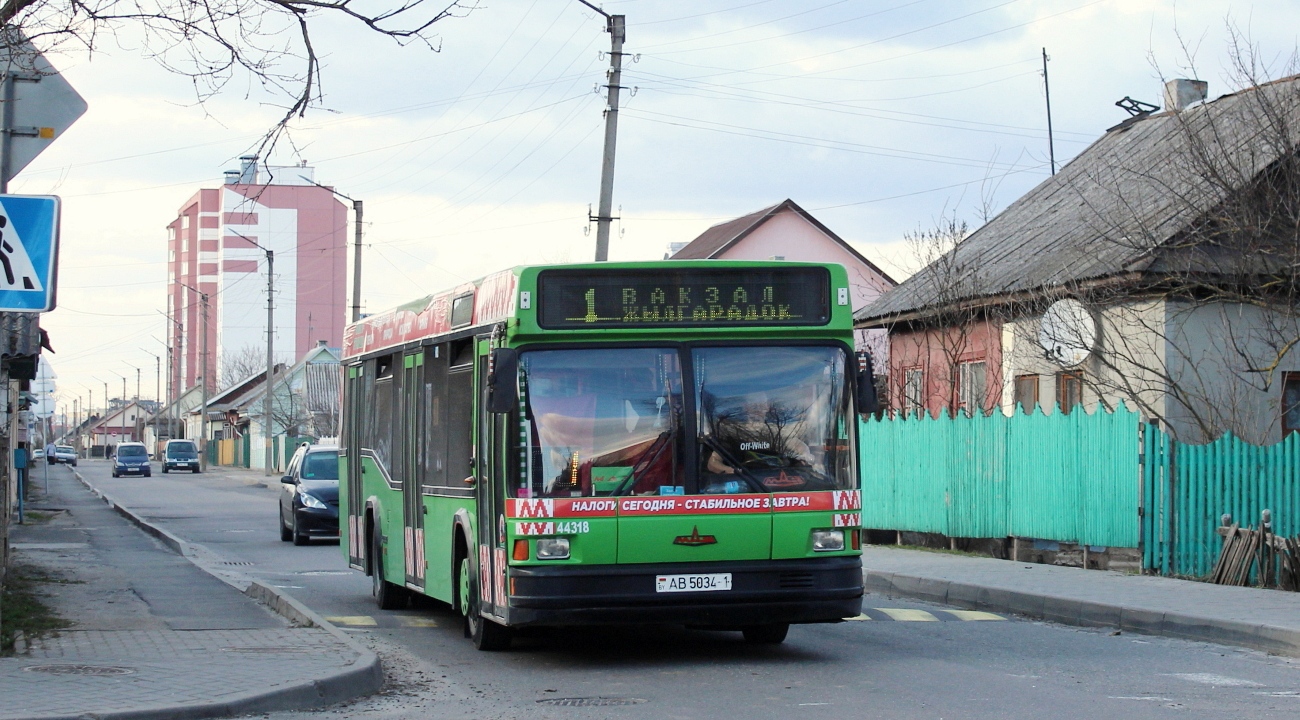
(1136, 108)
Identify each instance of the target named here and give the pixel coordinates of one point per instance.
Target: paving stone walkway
(153, 635)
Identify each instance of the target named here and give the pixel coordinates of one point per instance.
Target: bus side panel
(347, 542)
(388, 520)
(438, 547)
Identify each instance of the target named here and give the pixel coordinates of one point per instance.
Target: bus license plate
(693, 583)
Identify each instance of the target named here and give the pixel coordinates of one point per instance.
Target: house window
(973, 386)
(1026, 392)
(1290, 402)
(913, 382)
(1069, 391)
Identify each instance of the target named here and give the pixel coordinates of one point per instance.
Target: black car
(180, 455)
(131, 458)
(309, 505)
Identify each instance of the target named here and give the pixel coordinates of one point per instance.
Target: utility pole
(356, 246)
(270, 351)
(203, 408)
(1047, 93)
(157, 393)
(616, 26)
(270, 357)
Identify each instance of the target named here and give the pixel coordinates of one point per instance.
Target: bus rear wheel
(773, 634)
(486, 635)
(387, 595)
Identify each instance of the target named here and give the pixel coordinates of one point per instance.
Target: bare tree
(242, 364)
(213, 42)
(929, 357)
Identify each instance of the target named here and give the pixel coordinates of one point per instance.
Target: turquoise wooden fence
(1070, 478)
(1188, 488)
(1097, 479)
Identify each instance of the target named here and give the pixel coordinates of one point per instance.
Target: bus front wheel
(485, 634)
(773, 634)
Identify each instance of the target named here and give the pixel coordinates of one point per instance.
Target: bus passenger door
(353, 499)
(413, 440)
(489, 490)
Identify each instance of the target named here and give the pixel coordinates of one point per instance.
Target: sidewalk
(156, 636)
(1266, 620)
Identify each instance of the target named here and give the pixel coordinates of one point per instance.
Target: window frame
(965, 371)
(913, 403)
(1018, 400)
(1289, 378)
(1064, 380)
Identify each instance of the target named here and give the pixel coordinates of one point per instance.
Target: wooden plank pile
(1268, 559)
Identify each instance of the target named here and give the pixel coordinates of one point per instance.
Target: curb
(1085, 613)
(365, 677)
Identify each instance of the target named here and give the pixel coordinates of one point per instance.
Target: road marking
(353, 620)
(909, 615)
(1215, 680)
(416, 622)
(977, 615)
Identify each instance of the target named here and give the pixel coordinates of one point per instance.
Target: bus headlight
(827, 540)
(556, 548)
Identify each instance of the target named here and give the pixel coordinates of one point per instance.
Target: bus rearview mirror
(866, 386)
(503, 393)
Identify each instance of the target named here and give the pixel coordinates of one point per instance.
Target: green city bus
(658, 442)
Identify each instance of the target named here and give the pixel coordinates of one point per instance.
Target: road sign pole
(7, 130)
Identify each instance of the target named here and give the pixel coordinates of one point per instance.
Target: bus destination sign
(683, 297)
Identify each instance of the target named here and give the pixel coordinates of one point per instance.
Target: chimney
(232, 177)
(248, 170)
(321, 343)
(1181, 94)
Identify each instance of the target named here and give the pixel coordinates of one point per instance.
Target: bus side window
(435, 426)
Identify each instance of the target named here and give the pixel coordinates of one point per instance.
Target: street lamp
(270, 350)
(157, 385)
(356, 247)
(173, 374)
(203, 411)
(124, 401)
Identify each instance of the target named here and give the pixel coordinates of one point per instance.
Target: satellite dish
(1068, 333)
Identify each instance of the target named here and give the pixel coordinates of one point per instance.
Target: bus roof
(495, 298)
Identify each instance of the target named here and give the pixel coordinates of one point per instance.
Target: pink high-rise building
(213, 248)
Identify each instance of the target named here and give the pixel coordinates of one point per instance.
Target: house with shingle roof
(1160, 267)
(785, 231)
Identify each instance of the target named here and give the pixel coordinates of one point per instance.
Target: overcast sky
(878, 117)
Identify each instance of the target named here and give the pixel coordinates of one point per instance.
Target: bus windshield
(602, 422)
(772, 419)
(610, 421)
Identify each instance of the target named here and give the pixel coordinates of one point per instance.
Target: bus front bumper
(812, 590)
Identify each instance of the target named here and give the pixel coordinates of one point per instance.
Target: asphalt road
(898, 664)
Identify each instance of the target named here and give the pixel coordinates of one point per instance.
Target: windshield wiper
(661, 442)
(739, 467)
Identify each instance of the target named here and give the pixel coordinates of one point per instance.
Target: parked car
(132, 458)
(180, 455)
(309, 505)
(65, 454)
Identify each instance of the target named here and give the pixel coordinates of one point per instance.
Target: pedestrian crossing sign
(29, 244)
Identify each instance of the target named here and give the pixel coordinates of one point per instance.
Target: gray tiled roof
(1114, 209)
